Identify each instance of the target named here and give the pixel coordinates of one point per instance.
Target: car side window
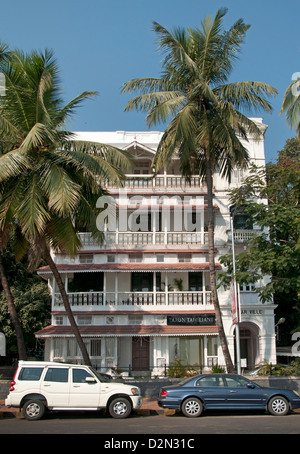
(31, 373)
(236, 382)
(79, 375)
(57, 374)
(210, 381)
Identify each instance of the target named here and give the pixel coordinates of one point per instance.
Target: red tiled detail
(130, 330)
(131, 267)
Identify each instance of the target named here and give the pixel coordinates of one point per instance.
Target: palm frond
(247, 94)
(291, 104)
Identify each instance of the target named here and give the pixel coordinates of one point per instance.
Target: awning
(126, 331)
(128, 267)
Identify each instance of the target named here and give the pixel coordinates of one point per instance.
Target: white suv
(39, 385)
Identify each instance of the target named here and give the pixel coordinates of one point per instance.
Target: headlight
(135, 391)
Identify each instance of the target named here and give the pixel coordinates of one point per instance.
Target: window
(135, 319)
(236, 382)
(109, 346)
(135, 258)
(212, 346)
(160, 258)
(31, 373)
(86, 258)
(142, 282)
(86, 282)
(79, 375)
(84, 319)
(110, 259)
(59, 320)
(58, 348)
(247, 287)
(184, 258)
(210, 381)
(57, 374)
(72, 348)
(95, 347)
(110, 320)
(195, 281)
(241, 219)
(142, 167)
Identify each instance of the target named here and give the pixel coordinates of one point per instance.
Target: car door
(211, 390)
(240, 393)
(85, 389)
(55, 386)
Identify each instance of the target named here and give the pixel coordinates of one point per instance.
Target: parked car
(38, 386)
(226, 391)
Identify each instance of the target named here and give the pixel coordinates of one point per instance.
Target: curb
(148, 412)
(6, 414)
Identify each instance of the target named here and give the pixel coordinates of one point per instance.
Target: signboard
(201, 319)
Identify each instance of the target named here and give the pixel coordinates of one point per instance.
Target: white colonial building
(142, 298)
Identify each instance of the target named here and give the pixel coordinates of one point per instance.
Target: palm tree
(4, 237)
(206, 124)
(48, 180)
(291, 104)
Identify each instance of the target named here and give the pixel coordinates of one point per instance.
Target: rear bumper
(168, 404)
(295, 403)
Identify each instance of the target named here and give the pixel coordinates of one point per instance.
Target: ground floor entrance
(140, 353)
(249, 345)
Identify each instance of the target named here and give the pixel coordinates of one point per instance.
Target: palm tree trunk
(68, 309)
(212, 271)
(13, 314)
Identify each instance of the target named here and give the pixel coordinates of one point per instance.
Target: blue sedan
(226, 391)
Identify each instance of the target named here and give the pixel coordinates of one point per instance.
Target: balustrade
(137, 239)
(127, 299)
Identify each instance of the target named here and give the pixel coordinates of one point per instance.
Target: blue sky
(99, 45)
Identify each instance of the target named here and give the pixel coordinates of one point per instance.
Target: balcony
(243, 236)
(131, 300)
(158, 182)
(142, 239)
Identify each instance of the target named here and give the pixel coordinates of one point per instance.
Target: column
(116, 288)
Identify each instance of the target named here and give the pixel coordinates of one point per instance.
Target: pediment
(139, 150)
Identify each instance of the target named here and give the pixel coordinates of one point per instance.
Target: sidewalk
(149, 407)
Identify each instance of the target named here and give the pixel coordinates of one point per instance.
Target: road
(173, 425)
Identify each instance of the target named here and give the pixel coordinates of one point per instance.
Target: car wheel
(119, 408)
(192, 407)
(278, 406)
(33, 410)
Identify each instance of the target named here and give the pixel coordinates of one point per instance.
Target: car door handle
(76, 386)
(233, 391)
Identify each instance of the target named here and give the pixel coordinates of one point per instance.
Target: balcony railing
(243, 236)
(137, 239)
(135, 299)
(162, 181)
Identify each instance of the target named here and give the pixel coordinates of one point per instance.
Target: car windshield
(100, 376)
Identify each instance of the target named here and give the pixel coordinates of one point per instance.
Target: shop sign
(201, 319)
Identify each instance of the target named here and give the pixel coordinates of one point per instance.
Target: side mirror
(250, 385)
(90, 380)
